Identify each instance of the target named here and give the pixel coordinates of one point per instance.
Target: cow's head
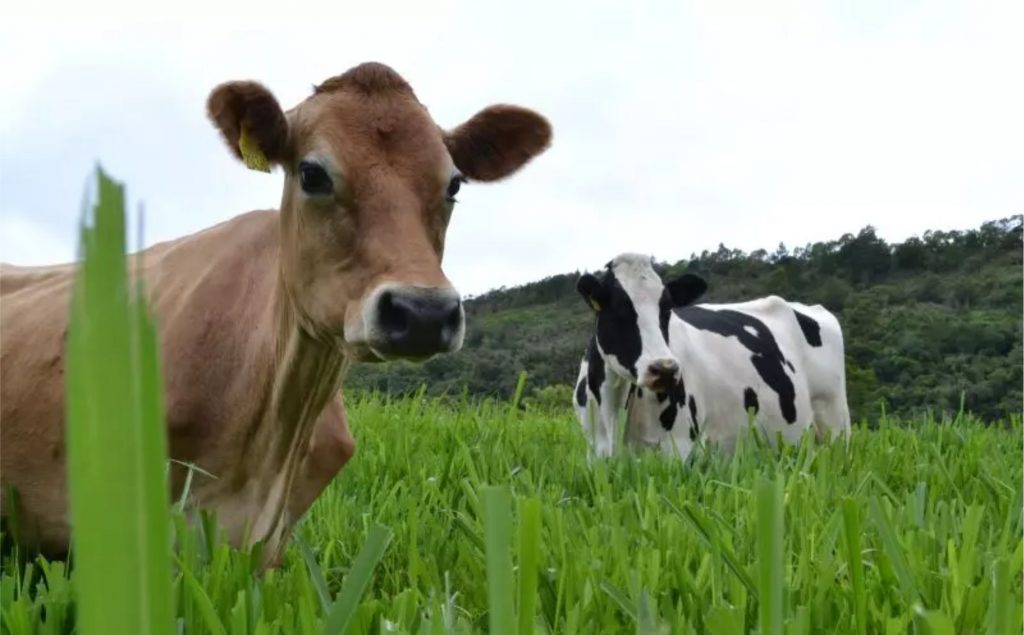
(370, 184)
(633, 307)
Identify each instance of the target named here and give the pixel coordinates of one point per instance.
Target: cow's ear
(592, 291)
(686, 289)
(251, 122)
(497, 141)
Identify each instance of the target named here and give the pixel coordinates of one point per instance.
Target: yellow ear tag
(252, 156)
(593, 303)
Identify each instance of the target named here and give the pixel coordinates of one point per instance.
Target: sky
(678, 125)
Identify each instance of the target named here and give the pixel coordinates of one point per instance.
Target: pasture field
(916, 529)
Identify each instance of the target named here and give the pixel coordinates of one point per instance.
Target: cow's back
(792, 377)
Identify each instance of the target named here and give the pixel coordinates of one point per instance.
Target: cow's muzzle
(416, 322)
(661, 375)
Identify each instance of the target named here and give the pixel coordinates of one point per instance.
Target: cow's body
(781, 361)
(217, 379)
(260, 316)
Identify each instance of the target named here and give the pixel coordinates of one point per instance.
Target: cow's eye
(453, 187)
(314, 179)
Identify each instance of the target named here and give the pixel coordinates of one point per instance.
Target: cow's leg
(599, 425)
(831, 418)
(613, 399)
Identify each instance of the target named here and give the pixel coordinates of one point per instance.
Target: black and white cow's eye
(314, 179)
(453, 187)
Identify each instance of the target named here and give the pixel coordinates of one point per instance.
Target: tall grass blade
(315, 573)
(357, 580)
(1000, 615)
(497, 515)
(529, 557)
(934, 622)
(771, 576)
(692, 515)
(620, 598)
(854, 560)
(911, 593)
(116, 441)
(207, 611)
(517, 397)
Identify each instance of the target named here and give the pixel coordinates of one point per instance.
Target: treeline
(928, 322)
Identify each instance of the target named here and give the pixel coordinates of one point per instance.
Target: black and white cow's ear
(686, 289)
(590, 288)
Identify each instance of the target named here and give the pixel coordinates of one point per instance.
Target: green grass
(459, 516)
(916, 528)
(116, 445)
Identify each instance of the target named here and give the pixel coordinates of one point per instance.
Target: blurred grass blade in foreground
(116, 443)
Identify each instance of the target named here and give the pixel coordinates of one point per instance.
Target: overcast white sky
(677, 125)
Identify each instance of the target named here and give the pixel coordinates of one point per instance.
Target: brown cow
(260, 316)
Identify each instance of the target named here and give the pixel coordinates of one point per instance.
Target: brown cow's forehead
(365, 133)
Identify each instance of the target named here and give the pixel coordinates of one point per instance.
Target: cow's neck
(307, 374)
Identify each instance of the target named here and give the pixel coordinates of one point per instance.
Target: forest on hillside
(931, 323)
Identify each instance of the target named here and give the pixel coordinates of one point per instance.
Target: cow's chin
(379, 356)
(367, 353)
(364, 354)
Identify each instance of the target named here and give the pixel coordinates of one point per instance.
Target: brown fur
(259, 316)
(367, 78)
(497, 141)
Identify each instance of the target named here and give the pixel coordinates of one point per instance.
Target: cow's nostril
(394, 318)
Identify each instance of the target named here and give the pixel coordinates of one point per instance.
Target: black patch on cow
(639, 393)
(668, 416)
(618, 327)
(581, 391)
(766, 356)
(676, 396)
(664, 312)
(694, 429)
(595, 369)
(662, 396)
(750, 400)
(678, 393)
(810, 327)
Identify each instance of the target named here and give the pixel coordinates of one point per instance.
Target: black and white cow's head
(633, 307)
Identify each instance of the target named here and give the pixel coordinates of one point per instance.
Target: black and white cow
(688, 372)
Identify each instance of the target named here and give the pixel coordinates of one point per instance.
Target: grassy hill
(927, 322)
